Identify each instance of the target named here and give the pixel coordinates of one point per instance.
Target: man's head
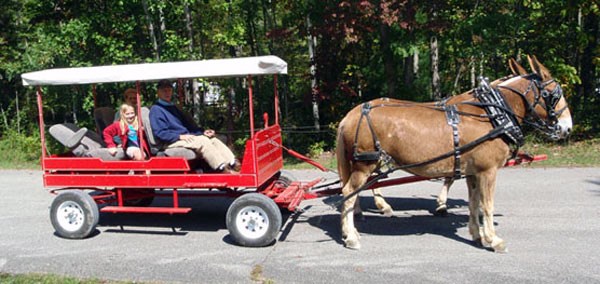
(165, 90)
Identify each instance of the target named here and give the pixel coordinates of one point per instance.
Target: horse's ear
(538, 68)
(516, 68)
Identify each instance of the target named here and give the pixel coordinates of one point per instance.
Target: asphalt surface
(549, 218)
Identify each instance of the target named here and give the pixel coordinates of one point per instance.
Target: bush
(20, 150)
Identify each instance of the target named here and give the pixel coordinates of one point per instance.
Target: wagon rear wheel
(74, 214)
(253, 220)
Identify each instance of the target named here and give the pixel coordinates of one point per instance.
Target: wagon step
(134, 209)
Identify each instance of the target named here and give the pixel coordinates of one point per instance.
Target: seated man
(170, 126)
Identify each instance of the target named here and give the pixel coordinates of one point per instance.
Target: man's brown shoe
(237, 166)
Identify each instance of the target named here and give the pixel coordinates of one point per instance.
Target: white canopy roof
(157, 71)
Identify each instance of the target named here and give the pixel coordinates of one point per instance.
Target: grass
(32, 278)
(582, 153)
(577, 153)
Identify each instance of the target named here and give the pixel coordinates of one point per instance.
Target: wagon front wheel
(74, 214)
(253, 220)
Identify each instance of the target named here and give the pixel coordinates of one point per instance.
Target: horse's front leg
(350, 235)
(487, 185)
(442, 207)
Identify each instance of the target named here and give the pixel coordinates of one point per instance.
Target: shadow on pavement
(412, 216)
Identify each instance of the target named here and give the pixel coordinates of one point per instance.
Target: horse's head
(546, 106)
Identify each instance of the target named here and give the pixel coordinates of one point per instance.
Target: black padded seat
(82, 142)
(156, 147)
(103, 116)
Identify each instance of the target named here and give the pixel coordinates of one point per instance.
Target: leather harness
(498, 111)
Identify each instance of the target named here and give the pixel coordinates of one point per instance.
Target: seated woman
(127, 129)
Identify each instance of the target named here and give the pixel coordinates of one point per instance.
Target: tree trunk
(151, 30)
(473, 74)
(313, 75)
(435, 75)
(252, 38)
(192, 90)
(267, 23)
(188, 27)
(388, 61)
(588, 74)
(409, 77)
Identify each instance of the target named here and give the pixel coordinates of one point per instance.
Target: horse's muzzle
(562, 128)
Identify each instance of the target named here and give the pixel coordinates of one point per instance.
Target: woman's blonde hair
(123, 121)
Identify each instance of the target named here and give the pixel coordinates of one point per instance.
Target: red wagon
(94, 182)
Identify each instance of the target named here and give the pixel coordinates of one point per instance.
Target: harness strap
(453, 120)
(369, 155)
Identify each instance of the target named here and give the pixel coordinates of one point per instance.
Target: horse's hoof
(352, 244)
(387, 212)
(500, 247)
(359, 217)
(441, 212)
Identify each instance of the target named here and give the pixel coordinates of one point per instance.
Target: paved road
(549, 217)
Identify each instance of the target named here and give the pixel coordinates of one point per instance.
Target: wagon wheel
(139, 202)
(253, 220)
(74, 214)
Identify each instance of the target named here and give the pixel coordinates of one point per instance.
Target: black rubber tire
(253, 220)
(74, 214)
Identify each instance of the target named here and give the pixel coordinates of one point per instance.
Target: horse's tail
(342, 158)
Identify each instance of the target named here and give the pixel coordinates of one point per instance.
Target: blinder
(550, 101)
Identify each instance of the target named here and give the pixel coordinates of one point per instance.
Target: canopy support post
(42, 127)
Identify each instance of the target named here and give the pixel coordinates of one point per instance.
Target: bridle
(548, 99)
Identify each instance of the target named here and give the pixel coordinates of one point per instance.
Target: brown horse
(441, 208)
(421, 139)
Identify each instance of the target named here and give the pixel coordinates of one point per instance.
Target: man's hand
(112, 151)
(186, 137)
(209, 133)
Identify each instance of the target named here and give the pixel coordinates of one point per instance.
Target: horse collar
(499, 112)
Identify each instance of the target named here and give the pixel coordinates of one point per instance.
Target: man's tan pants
(212, 150)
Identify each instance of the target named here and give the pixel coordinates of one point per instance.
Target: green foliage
(364, 50)
(19, 150)
(316, 149)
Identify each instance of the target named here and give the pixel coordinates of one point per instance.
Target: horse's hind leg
(383, 206)
(442, 207)
(380, 202)
(350, 235)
